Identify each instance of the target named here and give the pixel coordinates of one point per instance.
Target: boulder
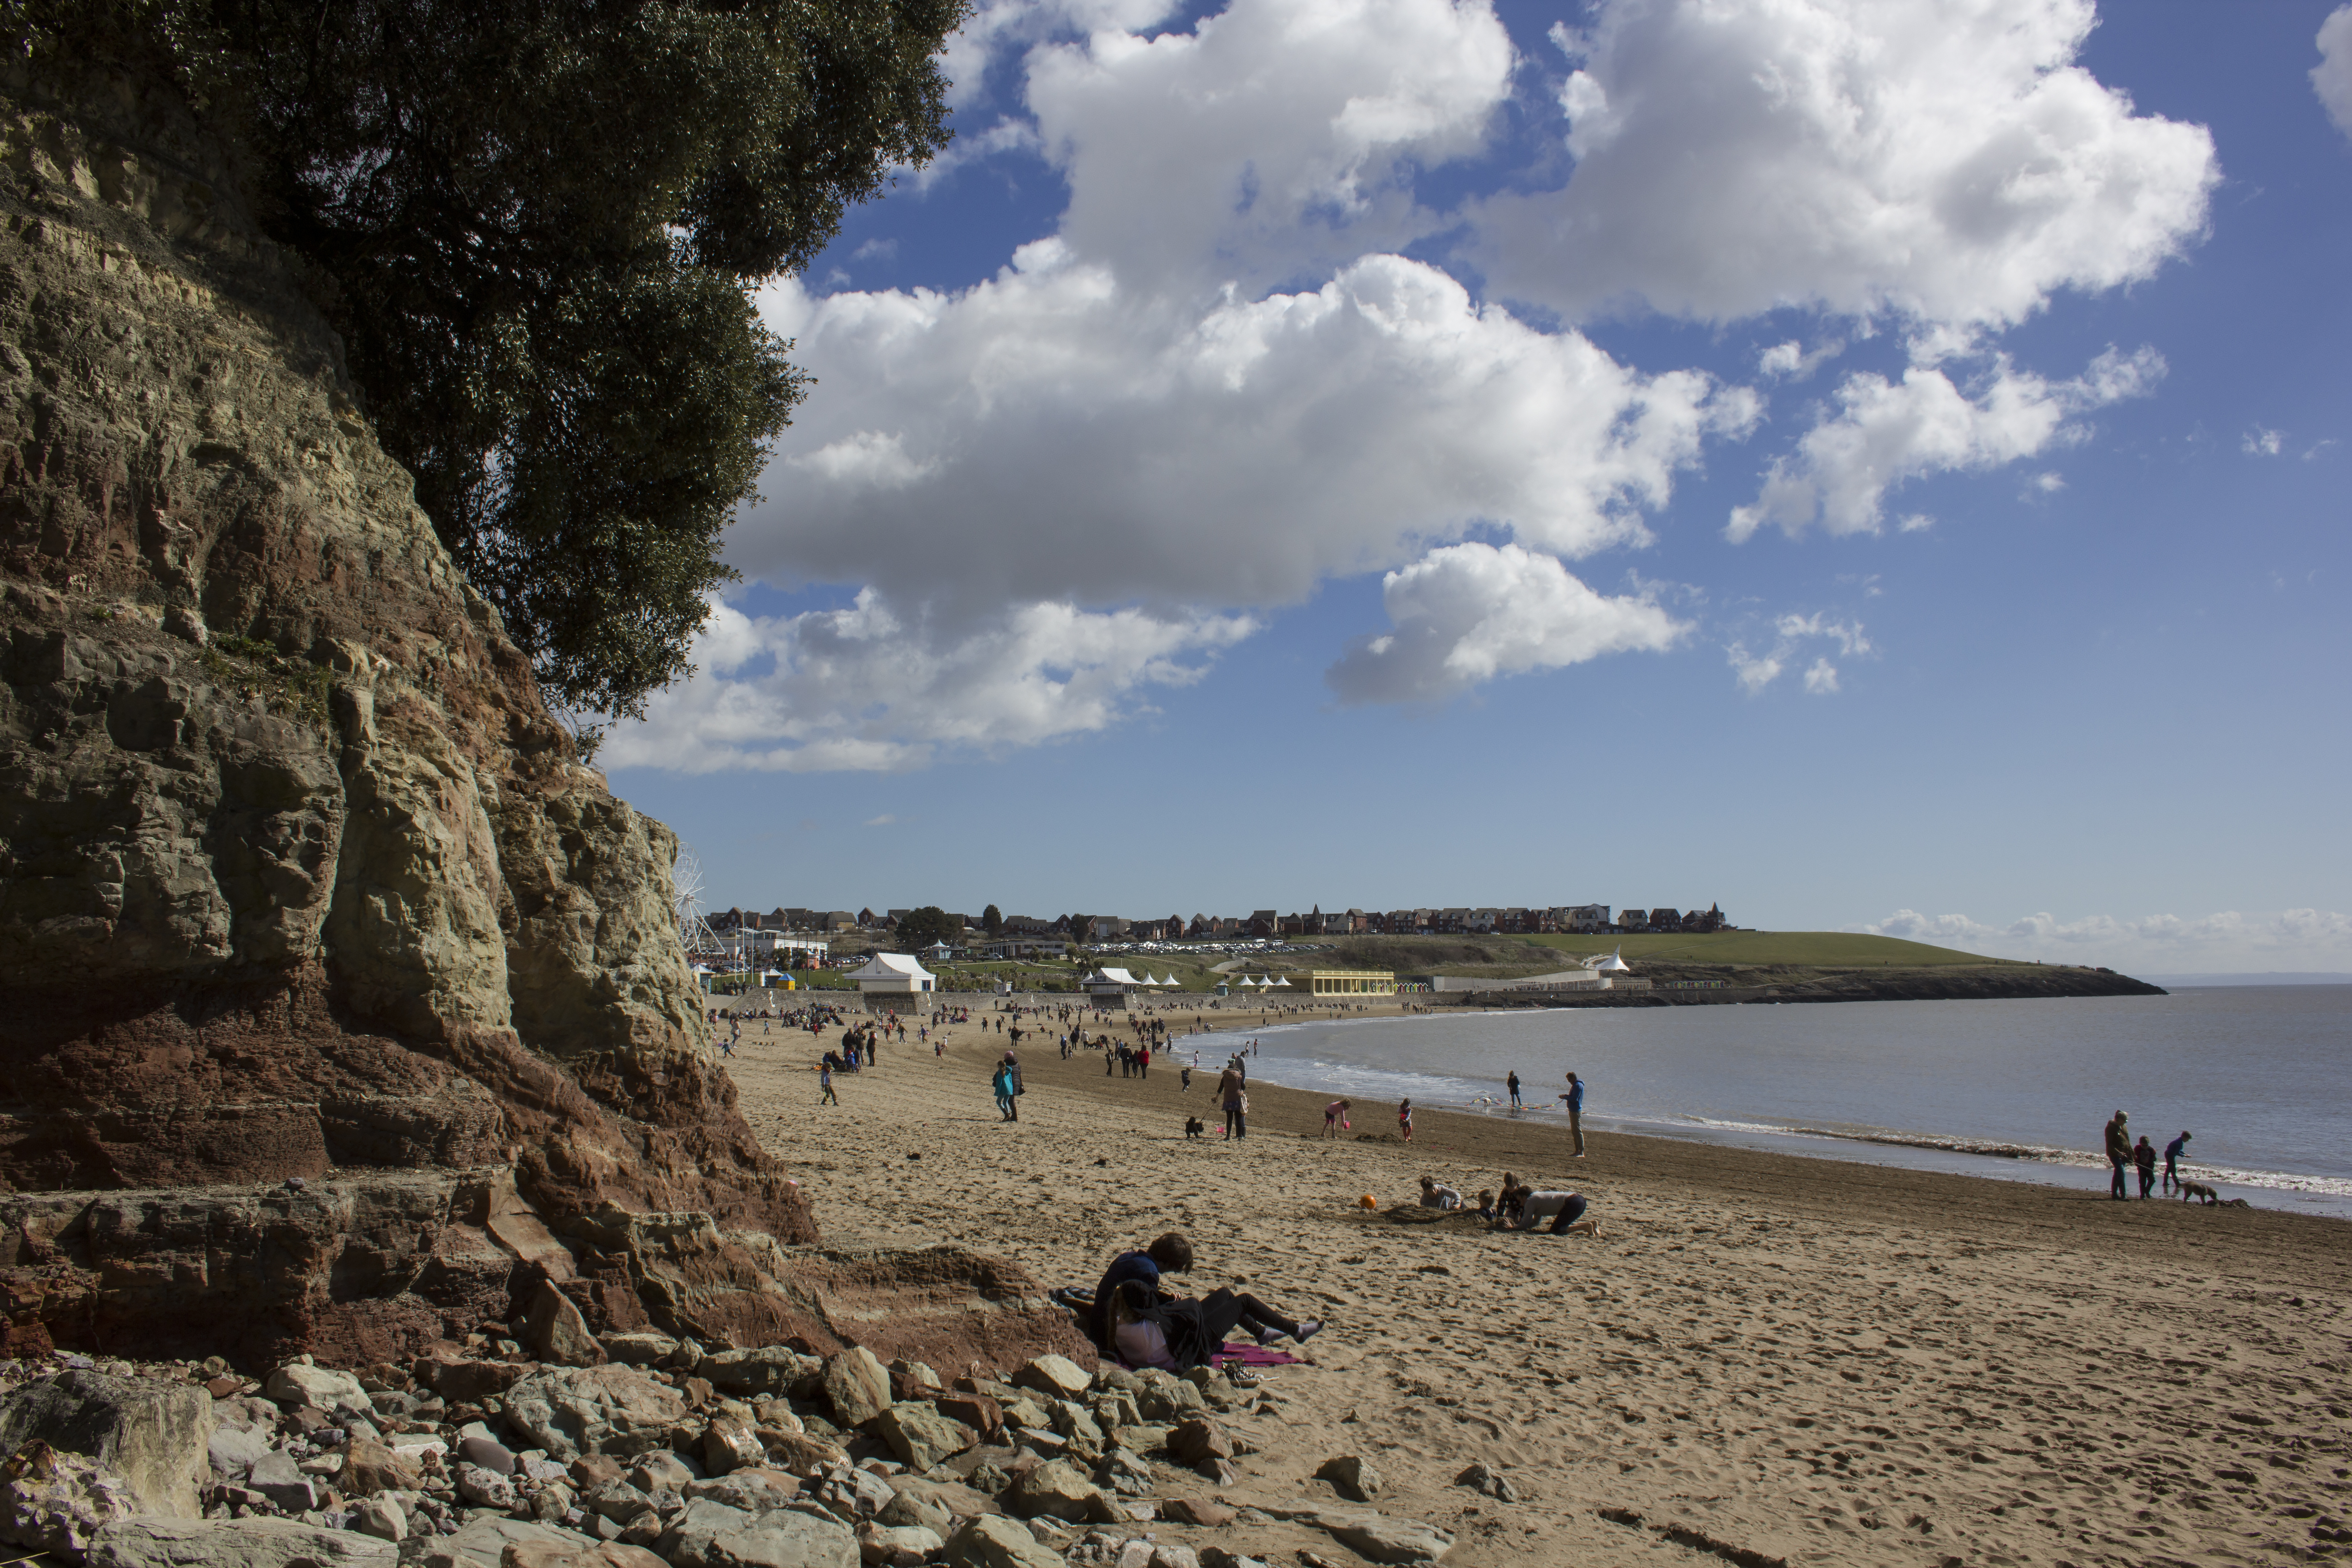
(257, 1542)
(1485, 1477)
(857, 1386)
(487, 1452)
(1197, 1440)
(850, 1494)
(921, 1436)
(896, 1545)
(1055, 1377)
(277, 1477)
(952, 1498)
(753, 1490)
(483, 1543)
(977, 1411)
(1168, 1401)
(640, 1347)
(661, 1471)
(470, 1382)
(55, 1502)
(1206, 1512)
(484, 1487)
(295, 1386)
(553, 1330)
(613, 1410)
(748, 1373)
(618, 1500)
(1353, 1476)
(154, 1436)
(729, 1443)
(712, 1535)
(599, 1554)
(798, 1452)
(1057, 1490)
(382, 1518)
(907, 1509)
(1376, 1536)
(232, 1451)
(989, 1540)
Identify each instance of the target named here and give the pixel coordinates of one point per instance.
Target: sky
(1871, 464)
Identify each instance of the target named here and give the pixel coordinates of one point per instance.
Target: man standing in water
(1575, 1098)
(2119, 1156)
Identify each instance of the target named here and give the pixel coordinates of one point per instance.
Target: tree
(991, 921)
(536, 226)
(919, 929)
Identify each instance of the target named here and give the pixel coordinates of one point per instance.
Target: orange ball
(1370, 1202)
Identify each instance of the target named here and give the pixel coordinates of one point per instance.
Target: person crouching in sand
(1335, 1116)
(1523, 1208)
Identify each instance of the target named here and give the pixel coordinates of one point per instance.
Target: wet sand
(1809, 1361)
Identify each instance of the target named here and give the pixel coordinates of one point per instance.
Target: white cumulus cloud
(1465, 614)
(1789, 634)
(2231, 941)
(862, 688)
(1885, 432)
(2332, 77)
(1942, 159)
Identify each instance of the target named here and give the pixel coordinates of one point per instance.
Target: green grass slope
(1824, 949)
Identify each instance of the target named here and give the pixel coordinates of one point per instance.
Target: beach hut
(1109, 988)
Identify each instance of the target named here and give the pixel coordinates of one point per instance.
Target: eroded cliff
(298, 879)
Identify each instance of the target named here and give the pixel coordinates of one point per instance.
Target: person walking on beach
(1001, 1083)
(2119, 1156)
(1235, 1102)
(2143, 1157)
(1575, 1098)
(825, 1082)
(1513, 1082)
(1404, 1119)
(2173, 1157)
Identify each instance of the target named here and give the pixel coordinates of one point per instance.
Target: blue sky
(1873, 464)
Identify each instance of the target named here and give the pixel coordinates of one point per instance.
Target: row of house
(1027, 935)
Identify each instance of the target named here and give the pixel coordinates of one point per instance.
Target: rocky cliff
(298, 879)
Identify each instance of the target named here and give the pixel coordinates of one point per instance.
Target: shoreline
(1798, 1359)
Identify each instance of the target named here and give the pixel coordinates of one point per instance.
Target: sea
(2261, 1076)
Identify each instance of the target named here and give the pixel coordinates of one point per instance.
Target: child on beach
(1404, 1120)
(824, 1081)
(2143, 1157)
(1525, 1209)
(2172, 1154)
(1334, 1118)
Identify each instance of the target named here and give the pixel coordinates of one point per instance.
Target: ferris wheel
(694, 933)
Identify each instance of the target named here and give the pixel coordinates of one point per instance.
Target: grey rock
(712, 1535)
(154, 1435)
(232, 1451)
(553, 1330)
(488, 1452)
(1377, 1537)
(482, 1542)
(769, 1369)
(382, 1518)
(662, 1471)
(1057, 1490)
(729, 1443)
(1055, 1377)
(921, 1437)
(55, 1502)
(1124, 1473)
(485, 1488)
(1485, 1477)
(235, 1543)
(279, 1477)
(896, 1546)
(988, 1540)
(617, 1500)
(1353, 1476)
(594, 1410)
(907, 1509)
(857, 1387)
(644, 1348)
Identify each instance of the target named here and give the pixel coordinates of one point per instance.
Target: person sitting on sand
(1172, 1254)
(1152, 1328)
(1486, 1202)
(1527, 1209)
(1435, 1194)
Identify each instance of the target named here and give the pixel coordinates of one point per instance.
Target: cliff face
(297, 876)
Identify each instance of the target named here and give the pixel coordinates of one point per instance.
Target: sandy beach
(1767, 1358)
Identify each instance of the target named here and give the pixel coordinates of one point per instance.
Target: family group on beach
(2124, 1155)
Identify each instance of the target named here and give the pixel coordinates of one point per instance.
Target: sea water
(2261, 1074)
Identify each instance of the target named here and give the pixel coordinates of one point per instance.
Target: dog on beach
(1194, 1127)
(2200, 1191)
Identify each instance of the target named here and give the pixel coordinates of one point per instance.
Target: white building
(892, 975)
(1109, 988)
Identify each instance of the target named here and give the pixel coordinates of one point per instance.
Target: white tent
(1247, 980)
(1614, 964)
(1284, 983)
(892, 975)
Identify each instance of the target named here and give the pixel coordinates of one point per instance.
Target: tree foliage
(991, 921)
(536, 223)
(918, 929)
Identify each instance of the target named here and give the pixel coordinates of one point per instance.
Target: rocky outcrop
(342, 1000)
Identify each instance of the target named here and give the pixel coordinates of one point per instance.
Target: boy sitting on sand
(1435, 1194)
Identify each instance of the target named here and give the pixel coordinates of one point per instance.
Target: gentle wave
(1438, 1091)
